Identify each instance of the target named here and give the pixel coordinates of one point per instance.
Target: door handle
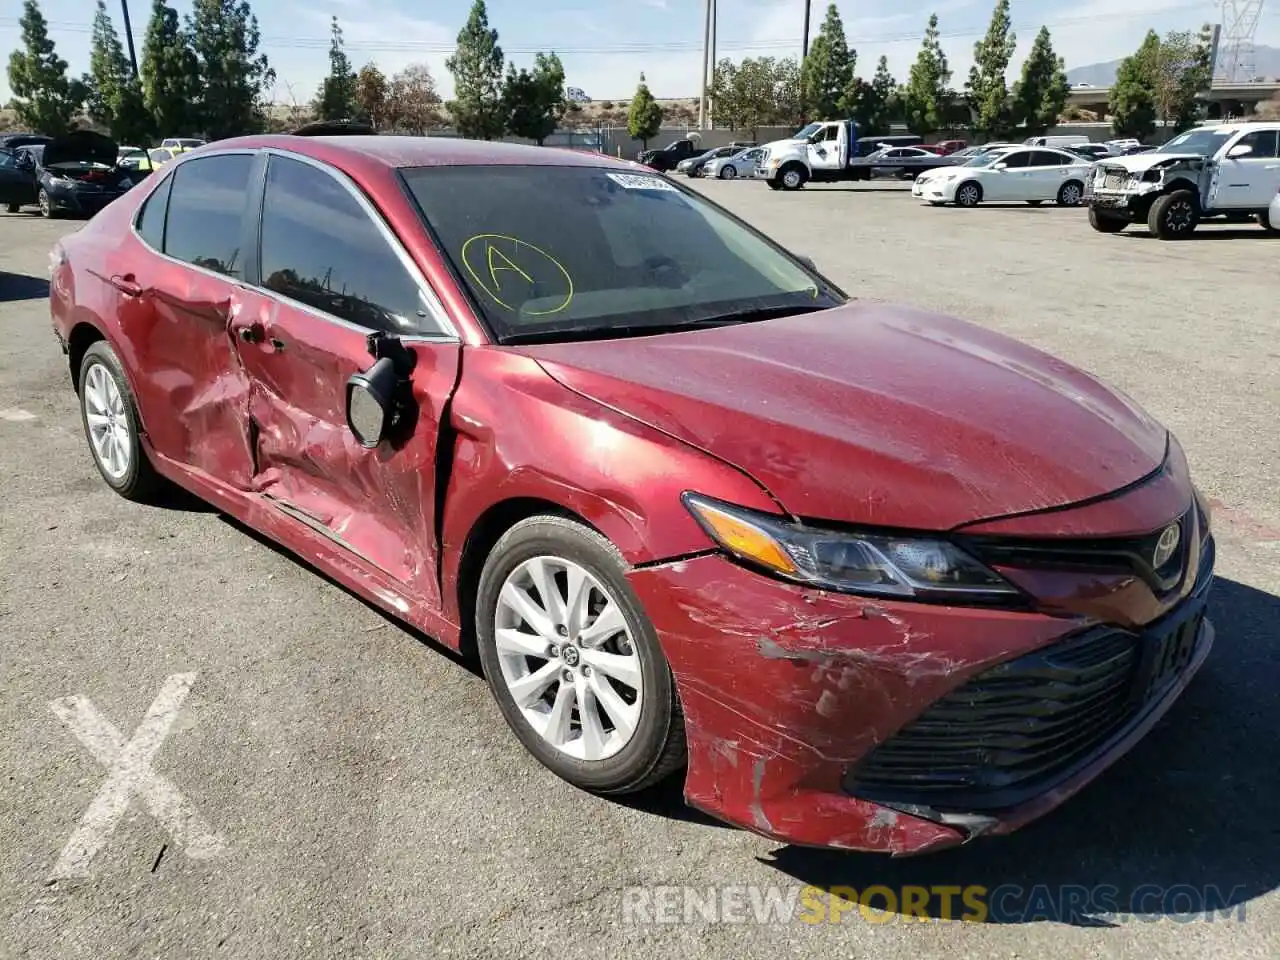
(127, 285)
(251, 333)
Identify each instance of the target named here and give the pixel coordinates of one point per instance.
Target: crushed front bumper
(787, 692)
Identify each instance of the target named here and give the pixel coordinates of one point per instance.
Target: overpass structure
(1221, 93)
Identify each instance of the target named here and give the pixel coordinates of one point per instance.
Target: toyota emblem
(1170, 536)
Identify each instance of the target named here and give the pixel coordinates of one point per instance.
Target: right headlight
(885, 565)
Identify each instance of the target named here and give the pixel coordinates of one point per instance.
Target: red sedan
(873, 578)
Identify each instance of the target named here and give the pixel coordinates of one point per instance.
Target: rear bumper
(786, 691)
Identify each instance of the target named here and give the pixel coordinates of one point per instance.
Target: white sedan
(1031, 175)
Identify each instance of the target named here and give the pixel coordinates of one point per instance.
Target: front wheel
(46, 205)
(1269, 224)
(968, 194)
(793, 178)
(773, 184)
(1106, 224)
(728, 173)
(12, 207)
(573, 661)
(1174, 216)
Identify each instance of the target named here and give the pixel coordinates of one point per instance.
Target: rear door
(330, 272)
(176, 305)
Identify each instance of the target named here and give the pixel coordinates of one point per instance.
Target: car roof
(394, 152)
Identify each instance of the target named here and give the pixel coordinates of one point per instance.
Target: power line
(675, 46)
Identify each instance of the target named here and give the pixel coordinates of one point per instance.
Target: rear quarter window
(152, 216)
(205, 221)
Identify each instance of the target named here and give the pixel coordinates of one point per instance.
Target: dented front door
(378, 504)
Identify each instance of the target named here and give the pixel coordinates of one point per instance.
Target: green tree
(986, 90)
(873, 104)
(746, 94)
(169, 81)
(412, 104)
(337, 97)
(827, 72)
(371, 95)
(535, 100)
(928, 91)
(233, 75)
(644, 117)
(1182, 74)
(115, 95)
(1133, 94)
(1041, 95)
(44, 97)
(476, 65)
(787, 98)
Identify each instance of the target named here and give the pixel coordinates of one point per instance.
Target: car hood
(876, 414)
(1142, 162)
(81, 146)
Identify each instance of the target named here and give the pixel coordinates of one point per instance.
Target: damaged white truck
(1227, 171)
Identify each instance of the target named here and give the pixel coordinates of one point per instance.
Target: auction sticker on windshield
(631, 181)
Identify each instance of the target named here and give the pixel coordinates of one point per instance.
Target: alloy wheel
(791, 179)
(46, 209)
(1070, 195)
(1178, 216)
(967, 195)
(104, 412)
(568, 658)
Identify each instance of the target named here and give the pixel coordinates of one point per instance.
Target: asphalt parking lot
(344, 789)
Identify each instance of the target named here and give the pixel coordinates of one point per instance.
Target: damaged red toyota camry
(871, 578)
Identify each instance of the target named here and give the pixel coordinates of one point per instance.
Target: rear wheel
(1268, 224)
(1174, 216)
(1104, 223)
(12, 207)
(573, 661)
(1071, 193)
(112, 426)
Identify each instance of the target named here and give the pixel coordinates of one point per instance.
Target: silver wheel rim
(791, 178)
(104, 413)
(568, 658)
(968, 195)
(728, 173)
(1071, 195)
(44, 203)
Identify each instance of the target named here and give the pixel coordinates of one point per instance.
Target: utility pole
(706, 53)
(804, 49)
(711, 100)
(128, 34)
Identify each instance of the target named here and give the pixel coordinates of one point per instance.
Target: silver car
(741, 164)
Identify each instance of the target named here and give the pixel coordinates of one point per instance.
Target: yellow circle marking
(496, 261)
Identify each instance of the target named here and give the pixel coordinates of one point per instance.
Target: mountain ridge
(1266, 59)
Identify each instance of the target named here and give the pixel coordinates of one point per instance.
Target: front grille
(1132, 555)
(1017, 723)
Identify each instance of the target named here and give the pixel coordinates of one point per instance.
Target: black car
(12, 141)
(77, 173)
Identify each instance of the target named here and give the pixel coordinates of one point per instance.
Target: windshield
(559, 252)
(1203, 142)
(804, 133)
(985, 159)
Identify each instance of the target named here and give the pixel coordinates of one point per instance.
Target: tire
(656, 746)
(792, 177)
(1174, 216)
(774, 184)
(1269, 225)
(1070, 194)
(728, 172)
(1104, 223)
(969, 194)
(115, 436)
(46, 206)
(12, 207)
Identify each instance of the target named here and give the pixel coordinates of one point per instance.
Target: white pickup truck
(1229, 171)
(829, 151)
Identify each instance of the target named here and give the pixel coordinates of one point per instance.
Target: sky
(606, 44)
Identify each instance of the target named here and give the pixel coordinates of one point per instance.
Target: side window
(206, 213)
(151, 220)
(8, 161)
(1043, 158)
(320, 247)
(1019, 158)
(1263, 143)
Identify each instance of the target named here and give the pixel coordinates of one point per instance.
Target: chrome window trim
(448, 332)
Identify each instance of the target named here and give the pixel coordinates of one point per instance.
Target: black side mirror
(371, 402)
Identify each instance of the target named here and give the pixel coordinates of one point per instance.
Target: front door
(824, 148)
(1250, 182)
(329, 275)
(176, 306)
(17, 181)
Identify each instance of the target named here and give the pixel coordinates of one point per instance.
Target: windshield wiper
(619, 331)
